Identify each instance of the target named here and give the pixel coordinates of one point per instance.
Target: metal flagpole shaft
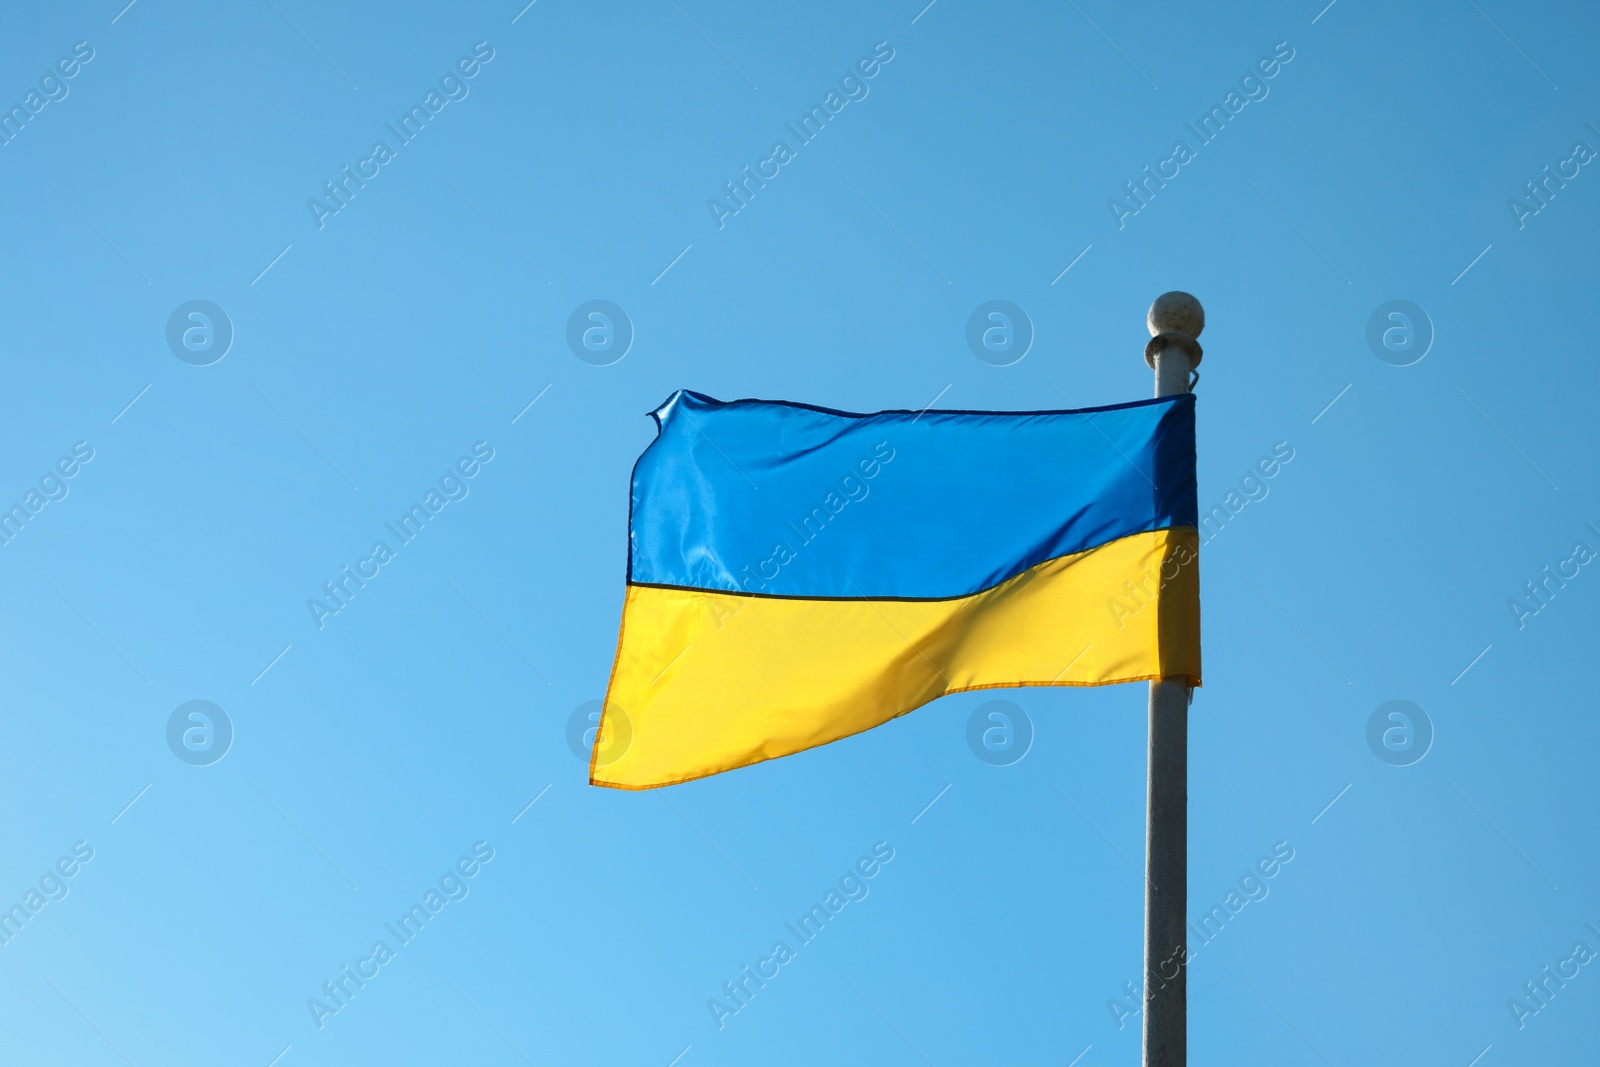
(1173, 353)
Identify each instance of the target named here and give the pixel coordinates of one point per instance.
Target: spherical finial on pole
(1175, 320)
(1177, 311)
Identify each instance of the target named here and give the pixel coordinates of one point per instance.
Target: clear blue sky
(372, 352)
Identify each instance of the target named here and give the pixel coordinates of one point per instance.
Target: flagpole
(1173, 353)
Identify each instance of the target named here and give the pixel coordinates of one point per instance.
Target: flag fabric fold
(797, 575)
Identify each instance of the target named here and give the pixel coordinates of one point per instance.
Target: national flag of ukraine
(797, 575)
